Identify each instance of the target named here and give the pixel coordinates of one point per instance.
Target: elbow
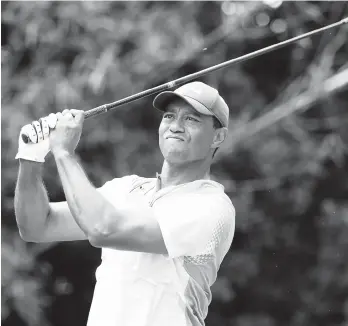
(98, 236)
(28, 237)
(95, 240)
(98, 240)
(29, 232)
(106, 231)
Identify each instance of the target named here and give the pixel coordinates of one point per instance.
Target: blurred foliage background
(284, 164)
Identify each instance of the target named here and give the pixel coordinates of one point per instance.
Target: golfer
(163, 238)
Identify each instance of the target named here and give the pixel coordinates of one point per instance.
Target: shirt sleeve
(195, 225)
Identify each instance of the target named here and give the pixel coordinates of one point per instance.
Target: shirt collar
(193, 184)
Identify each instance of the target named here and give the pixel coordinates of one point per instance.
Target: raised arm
(124, 226)
(87, 214)
(31, 200)
(39, 220)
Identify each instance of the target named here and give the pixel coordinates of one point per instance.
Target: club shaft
(106, 107)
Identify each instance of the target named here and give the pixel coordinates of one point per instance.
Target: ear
(219, 137)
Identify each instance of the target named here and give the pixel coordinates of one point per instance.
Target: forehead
(180, 105)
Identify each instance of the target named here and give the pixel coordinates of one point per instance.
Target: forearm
(31, 201)
(88, 207)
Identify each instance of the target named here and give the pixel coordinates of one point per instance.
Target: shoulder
(123, 184)
(218, 196)
(211, 194)
(217, 204)
(201, 198)
(214, 204)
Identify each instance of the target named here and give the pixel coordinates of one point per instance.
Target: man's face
(184, 134)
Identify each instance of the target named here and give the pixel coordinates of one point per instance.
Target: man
(163, 239)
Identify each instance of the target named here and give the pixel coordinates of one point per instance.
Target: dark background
(284, 164)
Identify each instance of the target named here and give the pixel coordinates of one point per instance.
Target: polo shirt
(197, 221)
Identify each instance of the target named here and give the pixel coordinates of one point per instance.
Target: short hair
(217, 125)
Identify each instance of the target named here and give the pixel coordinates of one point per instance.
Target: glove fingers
(37, 131)
(44, 127)
(37, 126)
(52, 120)
(29, 130)
(67, 114)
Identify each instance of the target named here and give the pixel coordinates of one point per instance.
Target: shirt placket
(159, 193)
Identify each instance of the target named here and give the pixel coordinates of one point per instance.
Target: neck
(175, 174)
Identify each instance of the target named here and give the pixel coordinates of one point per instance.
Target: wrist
(31, 167)
(30, 163)
(61, 152)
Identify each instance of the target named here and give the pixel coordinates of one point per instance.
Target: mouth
(175, 137)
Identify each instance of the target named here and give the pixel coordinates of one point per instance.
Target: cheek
(202, 139)
(161, 128)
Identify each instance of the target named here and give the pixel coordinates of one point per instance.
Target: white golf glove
(38, 134)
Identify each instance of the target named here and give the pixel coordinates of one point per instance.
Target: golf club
(107, 107)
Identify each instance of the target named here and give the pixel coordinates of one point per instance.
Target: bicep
(61, 225)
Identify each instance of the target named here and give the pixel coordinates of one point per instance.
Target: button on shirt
(197, 220)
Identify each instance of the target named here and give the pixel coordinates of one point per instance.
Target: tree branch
(305, 100)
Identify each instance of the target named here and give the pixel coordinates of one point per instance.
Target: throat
(176, 175)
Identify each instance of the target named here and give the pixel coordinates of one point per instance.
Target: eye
(192, 119)
(167, 116)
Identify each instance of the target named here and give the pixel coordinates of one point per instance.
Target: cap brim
(162, 100)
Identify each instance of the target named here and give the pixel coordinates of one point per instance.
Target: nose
(176, 126)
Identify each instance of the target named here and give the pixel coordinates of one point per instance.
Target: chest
(129, 266)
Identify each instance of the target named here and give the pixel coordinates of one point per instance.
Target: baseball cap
(202, 97)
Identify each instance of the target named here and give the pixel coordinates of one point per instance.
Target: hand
(38, 132)
(67, 133)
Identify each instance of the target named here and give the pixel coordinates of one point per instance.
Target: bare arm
(39, 220)
(31, 200)
(124, 226)
(104, 224)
